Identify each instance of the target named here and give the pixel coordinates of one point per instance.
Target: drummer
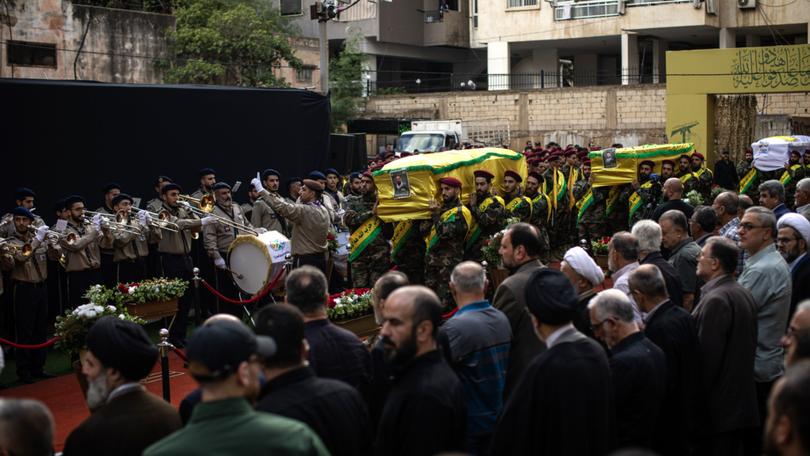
(309, 219)
(217, 238)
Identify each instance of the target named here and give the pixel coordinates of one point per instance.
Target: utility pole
(322, 11)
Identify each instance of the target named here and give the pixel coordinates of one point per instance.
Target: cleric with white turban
(584, 274)
(582, 264)
(800, 227)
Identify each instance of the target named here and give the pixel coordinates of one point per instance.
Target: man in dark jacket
(563, 404)
(649, 237)
(334, 410)
(127, 418)
(425, 412)
(725, 173)
(520, 251)
(792, 239)
(726, 319)
(637, 366)
(672, 329)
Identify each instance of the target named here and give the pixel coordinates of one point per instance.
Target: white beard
(97, 392)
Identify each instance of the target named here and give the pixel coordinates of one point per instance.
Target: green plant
(350, 305)
(72, 327)
(600, 246)
(346, 82)
(150, 290)
(489, 250)
(695, 198)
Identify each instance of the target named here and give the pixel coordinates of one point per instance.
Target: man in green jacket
(225, 359)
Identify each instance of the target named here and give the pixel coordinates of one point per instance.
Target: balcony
(586, 10)
(448, 28)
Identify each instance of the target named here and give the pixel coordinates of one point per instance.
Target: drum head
(250, 264)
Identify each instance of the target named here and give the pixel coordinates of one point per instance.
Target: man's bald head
(421, 303)
(220, 317)
(673, 187)
(468, 277)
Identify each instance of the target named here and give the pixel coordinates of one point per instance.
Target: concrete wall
(119, 46)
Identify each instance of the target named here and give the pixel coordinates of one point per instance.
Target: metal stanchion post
(287, 263)
(164, 346)
(197, 311)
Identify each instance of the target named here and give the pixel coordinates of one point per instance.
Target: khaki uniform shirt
(310, 223)
(7, 228)
(32, 268)
(179, 243)
(106, 242)
(264, 216)
(84, 253)
(129, 246)
(154, 205)
(219, 236)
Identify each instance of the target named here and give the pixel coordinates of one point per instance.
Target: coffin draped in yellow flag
(620, 166)
(406, 186)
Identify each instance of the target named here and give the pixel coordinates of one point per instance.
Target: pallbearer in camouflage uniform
(541, 206)
(408, 250)
(488, 211)
(557, 191)
(644, 198)
(704, 178)
(746, 164)
(370, 254)
(446, 234)
(516, 204)
(792, 175)
(667, 169)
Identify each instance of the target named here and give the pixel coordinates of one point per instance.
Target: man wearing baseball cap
(225, 358)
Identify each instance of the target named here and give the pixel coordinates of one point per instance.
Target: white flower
(122, 317)
(131, 290)
(98, 309)
(90, 314)
(111, 308)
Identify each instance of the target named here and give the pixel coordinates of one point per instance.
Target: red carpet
(64, 398)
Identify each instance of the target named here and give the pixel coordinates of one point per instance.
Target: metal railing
(586, 9)
(429, 82)
(432, 17)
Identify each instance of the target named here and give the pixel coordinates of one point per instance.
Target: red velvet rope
(239, 302)
(180, 354)
(45, 344)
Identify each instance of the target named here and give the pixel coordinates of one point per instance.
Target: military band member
(293, 190)
(263, 215)
(794, 172)
(326, 200)
(644, 198)
(247, 208)
(446, 234)
(80, 246)
(57, 278)
(175, 253)
(155, 205)
(218, 238)
(208, 177)
(23, 197)
(703, 177)
(105, 243)
(370, 253)
(489, 213)
(517, 205)
(30, 293)
(130, 245)
(332, 188)
(310, 222)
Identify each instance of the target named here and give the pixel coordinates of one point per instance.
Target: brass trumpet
(8, 248)
(111, 222)
(204, 203)
(223, 220)
(160, 220)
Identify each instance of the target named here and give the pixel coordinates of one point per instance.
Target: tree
(346, 82)
(230, 42)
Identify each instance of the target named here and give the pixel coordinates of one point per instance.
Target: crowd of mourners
(696, 341)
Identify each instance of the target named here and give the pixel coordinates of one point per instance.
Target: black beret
(73, 199)
(317, 175)
(22, 212)
(355, 175)
(206, 171)
(332, 171)
(171, 186)
(59, 205)
(294, 179)
(110, 186)
(162, 179)
(122, 345)
(550, 297)
(220, 186)
(22, 193)
(121, 197)
(270, 172)
(313, 185)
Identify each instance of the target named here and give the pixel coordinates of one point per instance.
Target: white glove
(207, 220)
(41, 232)
(143, 218)
(97, 222)
(220, 263)
(257, 183)
(261, 230)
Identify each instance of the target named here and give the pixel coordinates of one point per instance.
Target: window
(304, 74)
(28, 53)
(290, 7)
(520, 3)
(475, 12)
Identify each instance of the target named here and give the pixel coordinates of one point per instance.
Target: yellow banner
(406, 186)
(363, 236)
(450, 215)
(620, 166)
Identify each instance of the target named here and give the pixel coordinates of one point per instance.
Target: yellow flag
(620, 166)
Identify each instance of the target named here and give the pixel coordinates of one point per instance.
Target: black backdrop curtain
(63, 137)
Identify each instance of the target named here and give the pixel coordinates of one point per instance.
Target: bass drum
(256, 261)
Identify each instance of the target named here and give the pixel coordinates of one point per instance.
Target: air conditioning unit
(745, 4)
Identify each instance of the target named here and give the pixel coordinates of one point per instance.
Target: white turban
(583, 264)
(798, 222)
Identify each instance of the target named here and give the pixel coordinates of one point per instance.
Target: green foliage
(350, 305)
(72, 327)
(390, 91)
(346, 82)
(230, 42)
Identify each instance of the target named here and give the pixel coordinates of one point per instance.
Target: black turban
(551, 297)
(122, 345)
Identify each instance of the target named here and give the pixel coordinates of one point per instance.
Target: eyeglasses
(749, 226)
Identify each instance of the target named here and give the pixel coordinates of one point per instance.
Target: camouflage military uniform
(704, 179)
(489, 214)
(408, 253)
(643, 201)
(541, 217)
(518, 206)
(791, 177)
(743, 167)
(447, 251)
(617, 209)
(690, 182)
(373, 260)
(558, 234)
(591, 213)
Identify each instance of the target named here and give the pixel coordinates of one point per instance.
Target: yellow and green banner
(402, 232)
(620, 166)
(363, 236)
(449, 216)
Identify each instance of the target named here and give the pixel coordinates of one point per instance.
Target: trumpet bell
(71, 238)
(207, 203)
(27, 250)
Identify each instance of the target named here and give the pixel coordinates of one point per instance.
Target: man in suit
(772, 196)
(563, 405)
(520, 251)
(792, 238)
(673, 330)
(127, 418)
(648, 234)
(727, 333)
